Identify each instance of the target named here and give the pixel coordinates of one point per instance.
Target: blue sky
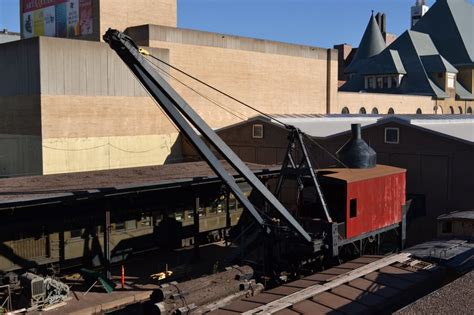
(321, 23)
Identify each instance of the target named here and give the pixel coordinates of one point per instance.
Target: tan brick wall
(451, 106)
(275, 84)
(402, 104)
(120, 14)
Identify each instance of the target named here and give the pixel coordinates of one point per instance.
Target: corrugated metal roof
(321, 126)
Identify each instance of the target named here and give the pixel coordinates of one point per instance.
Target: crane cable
(144, 52)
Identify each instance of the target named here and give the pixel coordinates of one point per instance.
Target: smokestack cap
(356, 153)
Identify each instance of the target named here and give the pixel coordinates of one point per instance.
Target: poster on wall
(85, 14)
(57, 18)
(73, 28)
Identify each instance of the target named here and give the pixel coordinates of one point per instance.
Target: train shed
(96, 217)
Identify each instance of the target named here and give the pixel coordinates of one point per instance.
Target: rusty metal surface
(262, 298)
(374, 287)
(394, 282)
(379, 203)
(387, 287)
(302, 283)
(312, 308)
(241, 306)
(339, 303)
(283, 290)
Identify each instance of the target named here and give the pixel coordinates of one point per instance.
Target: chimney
(356, 153)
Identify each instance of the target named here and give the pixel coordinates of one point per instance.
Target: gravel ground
(456, 297)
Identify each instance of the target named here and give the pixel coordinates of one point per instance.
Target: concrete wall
(20, 118)
(95, 114)
(402, 104)
(274, 77)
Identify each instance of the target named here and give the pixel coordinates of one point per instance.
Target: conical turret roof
(372, 44)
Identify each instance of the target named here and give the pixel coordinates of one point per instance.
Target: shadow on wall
(176, 151)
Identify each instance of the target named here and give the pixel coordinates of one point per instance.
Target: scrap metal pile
(207, 293)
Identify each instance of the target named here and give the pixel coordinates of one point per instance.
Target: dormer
(441, 72)
(385, 73)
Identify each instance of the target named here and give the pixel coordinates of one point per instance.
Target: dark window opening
(353, 208)
(447, 227)
(76, 233)
(417, 207)
(392, 135)
(257, 131)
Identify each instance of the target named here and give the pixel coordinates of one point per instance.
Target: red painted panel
(379, 203)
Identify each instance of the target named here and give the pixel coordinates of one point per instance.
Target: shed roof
(350, 175)
(321, 126)
(31, 188)
(462, 215)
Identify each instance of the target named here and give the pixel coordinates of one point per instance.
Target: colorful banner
(33, 5)
(85, 13)
(61, 20)
(57, 18)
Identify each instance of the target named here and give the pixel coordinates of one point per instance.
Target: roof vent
(356, 153)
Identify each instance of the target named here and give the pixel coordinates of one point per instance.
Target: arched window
(345, 110)
(391, 111)
(362, 110)
(375, 111)
(418, 111)
(451, 110)
(460, 109)
(469, 111)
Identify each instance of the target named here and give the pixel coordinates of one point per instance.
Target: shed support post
(196, 228)
(227, 217)
(107, 240)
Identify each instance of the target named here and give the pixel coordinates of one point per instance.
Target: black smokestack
(356, 153)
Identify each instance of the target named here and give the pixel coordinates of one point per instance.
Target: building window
(418, 111)
(353, 208)
(379, 82)
(469, 110)
(392, 135)
(460, 109)
(345, 110)
(391, 111)
(371, 82)
(447, 227)
(395, 81)
(451, 77)
(257, 131)
(362, 110)
(451, 109)
(385, 82)
(375, 111)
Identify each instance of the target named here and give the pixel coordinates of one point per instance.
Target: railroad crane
(290, 239)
